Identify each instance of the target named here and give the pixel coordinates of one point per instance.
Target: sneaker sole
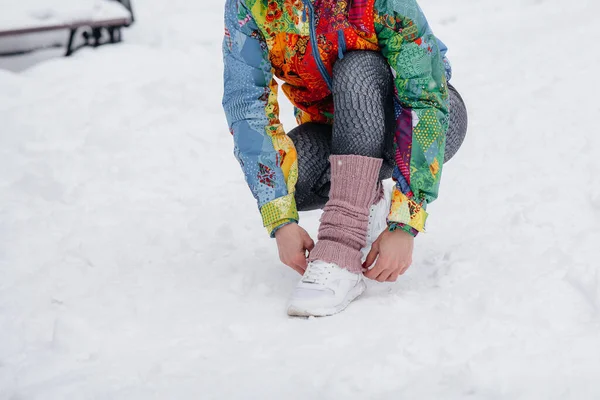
(353, 294)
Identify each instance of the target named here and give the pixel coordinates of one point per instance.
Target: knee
(361, 68)
(457, 124)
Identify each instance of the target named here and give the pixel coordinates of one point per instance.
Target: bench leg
(92, 37)
(114, 34)
(70, 42)
(111, 34)
(117, 35)
(97, 35)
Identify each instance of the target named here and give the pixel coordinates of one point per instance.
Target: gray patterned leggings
(363, 125)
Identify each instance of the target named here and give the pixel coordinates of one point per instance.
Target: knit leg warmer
(342, 233)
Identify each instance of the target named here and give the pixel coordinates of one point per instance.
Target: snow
(134, 265)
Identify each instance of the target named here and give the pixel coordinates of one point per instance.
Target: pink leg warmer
(342, 233)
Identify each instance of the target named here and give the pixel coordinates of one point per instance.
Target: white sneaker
(325, 289)
(377, 219)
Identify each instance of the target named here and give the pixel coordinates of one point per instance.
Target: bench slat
(73, 25)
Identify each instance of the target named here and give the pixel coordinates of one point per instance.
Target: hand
(293, 242)
(395, 256)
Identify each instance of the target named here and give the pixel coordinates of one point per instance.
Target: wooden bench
(94, 31)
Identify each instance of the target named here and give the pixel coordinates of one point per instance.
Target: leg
(358, 127)
(364, 125)
(364, 120)
(358, 131)
(362, 132)
(70, 42)
(313, 147)
(342, 166)
(457, 126)
(97, 35)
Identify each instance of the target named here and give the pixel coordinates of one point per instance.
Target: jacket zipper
(315, 47)
(341, 44)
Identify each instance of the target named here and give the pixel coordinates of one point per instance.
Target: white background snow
(133, 263)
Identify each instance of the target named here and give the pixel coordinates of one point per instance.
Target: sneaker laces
(317, 272)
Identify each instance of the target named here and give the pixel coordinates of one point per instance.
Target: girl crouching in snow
(368, 80)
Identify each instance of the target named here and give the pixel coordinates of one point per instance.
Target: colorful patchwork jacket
(298, 41)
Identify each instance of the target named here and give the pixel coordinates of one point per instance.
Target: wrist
(283, 226)
(399, 226)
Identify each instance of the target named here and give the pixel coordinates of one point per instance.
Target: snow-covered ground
(133, 263)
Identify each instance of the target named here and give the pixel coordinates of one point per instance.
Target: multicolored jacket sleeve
(266, 154)
(413, 52)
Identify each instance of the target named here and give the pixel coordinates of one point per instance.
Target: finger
(404, 269)
(374, 272)
(298, 264)
(384, 275)
(309, 244)
(371, 257)
(296, 268)
(300, 260)
(393, 277)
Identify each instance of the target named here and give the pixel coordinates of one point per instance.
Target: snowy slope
(133, 264)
